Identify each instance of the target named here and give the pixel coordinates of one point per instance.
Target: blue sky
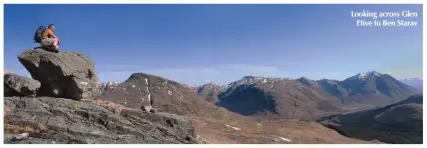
(195, 44)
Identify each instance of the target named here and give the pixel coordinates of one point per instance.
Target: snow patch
(169, 92)
(365, 75)
(83, 83)
(361, 75)
(235, 128)
(264, 81)
(284, 139)
(149, 94)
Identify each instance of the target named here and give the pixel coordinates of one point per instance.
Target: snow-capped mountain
(107, 86)
(414, 82)
(366, 75)
(376, 89)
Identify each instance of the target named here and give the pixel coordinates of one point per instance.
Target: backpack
(38, 35)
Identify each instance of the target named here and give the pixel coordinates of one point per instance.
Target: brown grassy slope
(214, 131)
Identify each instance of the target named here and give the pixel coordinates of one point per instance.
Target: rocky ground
(58, 120)
(58, 105)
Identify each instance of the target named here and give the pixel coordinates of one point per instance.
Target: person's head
(51, 27)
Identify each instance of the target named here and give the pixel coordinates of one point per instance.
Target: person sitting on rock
(49, 38)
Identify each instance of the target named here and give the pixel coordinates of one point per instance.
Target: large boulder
(16, 85)
(44, 120)
(63, 74)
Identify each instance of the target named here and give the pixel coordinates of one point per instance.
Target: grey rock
(70, 121)
(63, 74)
(48, 46)
(21, 136)
(15, 85)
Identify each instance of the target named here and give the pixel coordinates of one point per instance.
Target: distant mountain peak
(412, 78)
(306, 81)
(210, 83)
(251, 77)
(414, 82)
(304, 78)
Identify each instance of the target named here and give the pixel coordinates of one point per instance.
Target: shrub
(9, 128)
(111, 106)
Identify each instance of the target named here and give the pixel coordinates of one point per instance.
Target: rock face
(64, 74)
(47, 120)
(401, 122)
(15, 85)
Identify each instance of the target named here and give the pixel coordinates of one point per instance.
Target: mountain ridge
(401, 122)
(363, 90)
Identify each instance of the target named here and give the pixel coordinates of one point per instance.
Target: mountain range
(304, 98)
(271, 100)
(301, 98)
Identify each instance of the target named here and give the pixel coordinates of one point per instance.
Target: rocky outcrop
(15, 85)
(64, 74)
(46, 120)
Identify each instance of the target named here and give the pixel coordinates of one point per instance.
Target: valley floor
(213, 131)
